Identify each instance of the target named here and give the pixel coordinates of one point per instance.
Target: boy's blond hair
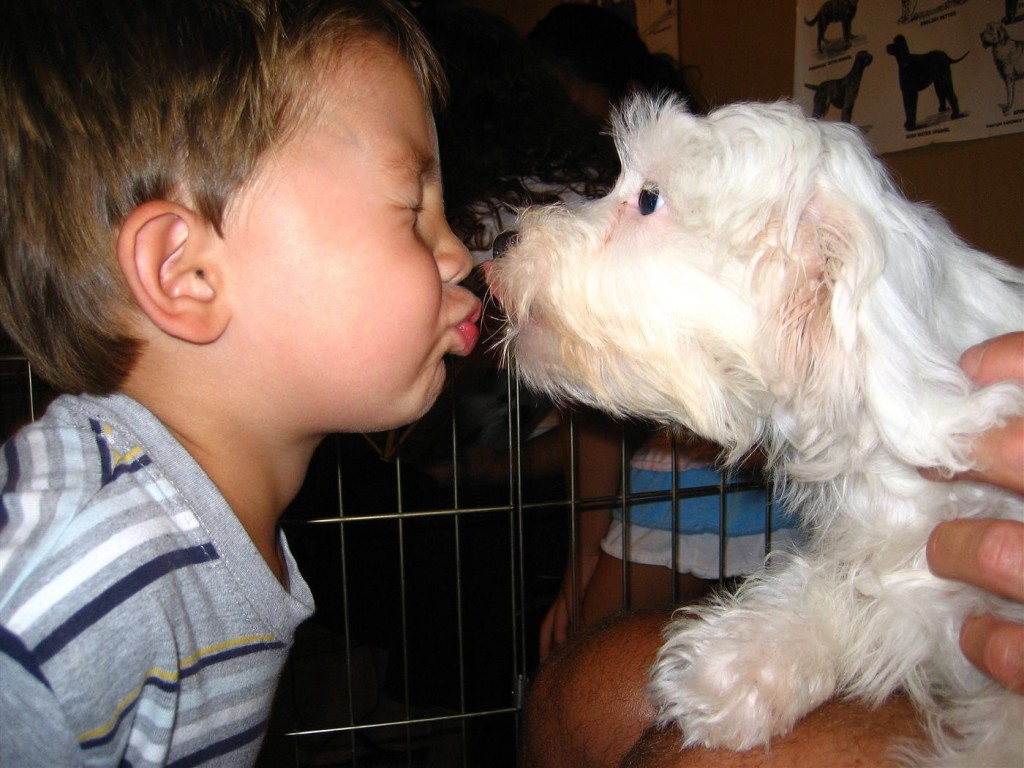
(108, 104)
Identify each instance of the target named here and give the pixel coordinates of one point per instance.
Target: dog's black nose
(504, 241)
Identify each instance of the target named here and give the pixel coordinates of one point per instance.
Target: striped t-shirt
(138, 623)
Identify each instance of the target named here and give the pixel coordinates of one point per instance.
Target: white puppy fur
(755, 276)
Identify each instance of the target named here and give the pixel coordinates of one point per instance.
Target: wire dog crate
(430, 589)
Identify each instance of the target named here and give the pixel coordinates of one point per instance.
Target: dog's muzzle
(504, 241)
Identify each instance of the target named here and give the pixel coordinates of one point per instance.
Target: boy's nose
(504, 241)
(453, 259)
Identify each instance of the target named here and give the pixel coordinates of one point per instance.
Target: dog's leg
(751, 666)
(910, 107)
(1011, 12)
(820, 102)
(941, 93)
(954, 103)
(947, 95)
(847, 113)
(743, 670)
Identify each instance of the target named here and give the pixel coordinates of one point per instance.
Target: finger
(986, 553)
(999, 454)
(997, 648)
(997, 359)
(561, 633)
(546, 630)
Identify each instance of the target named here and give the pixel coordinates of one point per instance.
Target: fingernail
(970, 361)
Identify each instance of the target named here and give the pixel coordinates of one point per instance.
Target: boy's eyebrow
(423, 165)
(429, 166)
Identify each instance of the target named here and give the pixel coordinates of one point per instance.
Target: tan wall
(743, 49)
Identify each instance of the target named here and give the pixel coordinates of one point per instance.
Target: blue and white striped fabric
(745, 509)
(138, 623)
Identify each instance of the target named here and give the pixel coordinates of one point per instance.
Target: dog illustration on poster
(918, 71)
(834, 12)
(1008, 56)
(841, 92)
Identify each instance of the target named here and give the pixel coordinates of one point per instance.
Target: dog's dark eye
(649, 201)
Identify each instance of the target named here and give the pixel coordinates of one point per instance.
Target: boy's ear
(169, 258)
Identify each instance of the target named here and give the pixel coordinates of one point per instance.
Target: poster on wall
(912, 72)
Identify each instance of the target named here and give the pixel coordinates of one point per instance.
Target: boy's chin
(415, 410)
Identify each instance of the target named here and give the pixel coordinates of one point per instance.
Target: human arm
(33, 728)
(591, 526)
(990, 553)
(588, 706)
(598, 455)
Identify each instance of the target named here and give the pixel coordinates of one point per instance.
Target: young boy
(222, 225)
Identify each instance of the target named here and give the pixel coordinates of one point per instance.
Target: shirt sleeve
(33, 730)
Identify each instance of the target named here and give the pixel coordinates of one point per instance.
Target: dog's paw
(732, 681)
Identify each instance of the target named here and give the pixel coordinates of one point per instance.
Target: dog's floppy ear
(810, 280)
(845, 279)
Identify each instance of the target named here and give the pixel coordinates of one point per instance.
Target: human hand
(990, 553)
(557, 624)
(999, 452)
(554, 630)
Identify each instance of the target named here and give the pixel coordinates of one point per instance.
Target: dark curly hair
(507, 119)
(595, 44)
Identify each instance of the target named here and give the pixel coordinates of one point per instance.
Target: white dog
(756, 277)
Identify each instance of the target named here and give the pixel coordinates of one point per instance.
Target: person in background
(664, 548)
